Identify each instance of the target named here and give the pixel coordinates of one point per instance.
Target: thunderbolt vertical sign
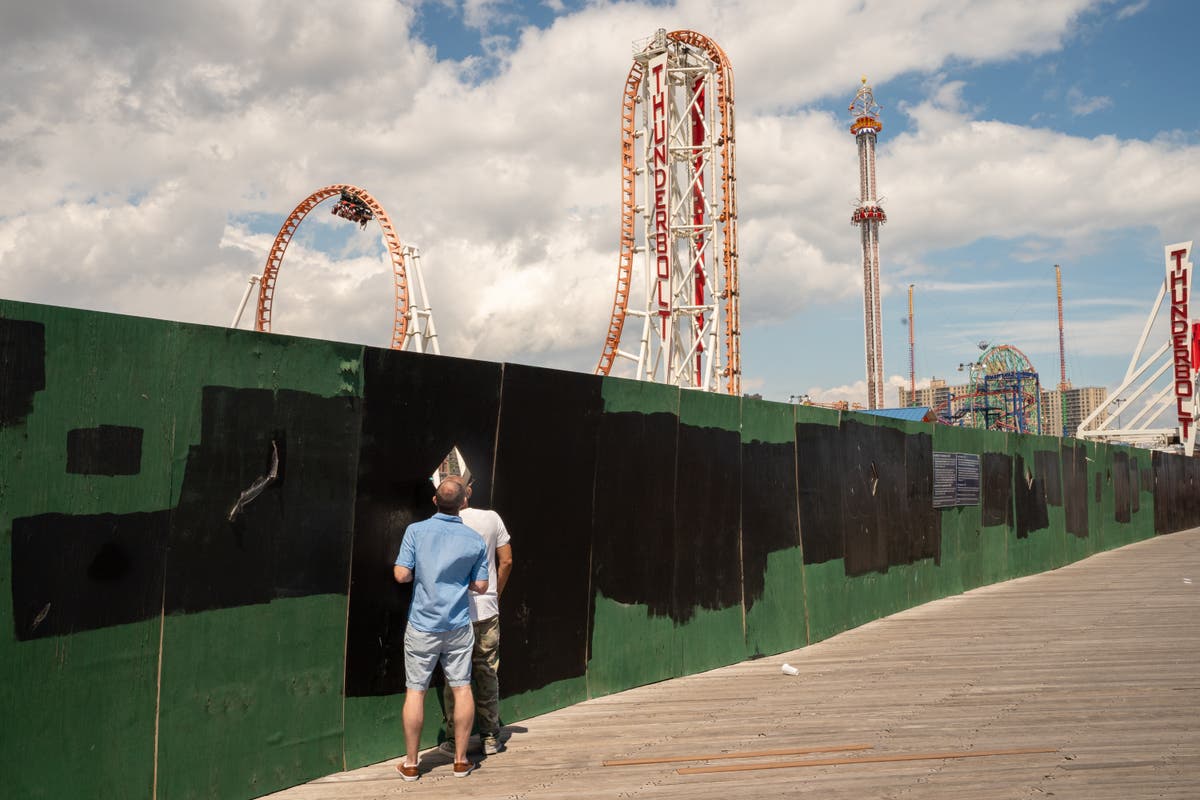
(1179, 288)
(660, 170)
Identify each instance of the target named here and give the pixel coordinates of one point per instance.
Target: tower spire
(868, 216)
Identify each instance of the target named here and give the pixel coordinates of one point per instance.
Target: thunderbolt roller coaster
(684, 289)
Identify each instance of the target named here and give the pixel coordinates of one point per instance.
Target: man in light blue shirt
(443, 559)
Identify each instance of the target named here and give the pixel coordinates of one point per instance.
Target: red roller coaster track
(266, 289)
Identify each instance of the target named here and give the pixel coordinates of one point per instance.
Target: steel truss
(1145, 399)
(686, 227)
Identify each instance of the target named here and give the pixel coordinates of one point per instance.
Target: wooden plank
(1097, 658)
(830, 762)
(626, 762)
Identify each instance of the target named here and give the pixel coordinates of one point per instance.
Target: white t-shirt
(488, 525)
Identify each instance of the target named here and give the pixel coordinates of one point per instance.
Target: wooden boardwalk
(1098, 661)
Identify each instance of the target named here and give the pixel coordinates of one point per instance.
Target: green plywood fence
(239, 699)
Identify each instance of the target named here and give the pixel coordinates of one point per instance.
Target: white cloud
(956, 179)
(1125, 12)
(856, 393)
(480, 14)
(975, 287)
(140, 141)
(1081, 105)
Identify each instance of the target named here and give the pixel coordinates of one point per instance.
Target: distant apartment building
(935, 395)
(943, 398)
(1080, 402)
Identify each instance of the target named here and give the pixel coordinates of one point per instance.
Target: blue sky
(157, 153)
(1122, 72)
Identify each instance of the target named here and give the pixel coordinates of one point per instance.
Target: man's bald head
(451, 495)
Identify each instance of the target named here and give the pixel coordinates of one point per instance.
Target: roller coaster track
(266, 290)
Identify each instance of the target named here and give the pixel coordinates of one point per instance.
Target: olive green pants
(485, 684)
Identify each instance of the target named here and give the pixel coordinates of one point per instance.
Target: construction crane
(1064, 385)
(912, 358)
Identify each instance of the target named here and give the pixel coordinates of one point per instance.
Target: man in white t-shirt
(485, 616)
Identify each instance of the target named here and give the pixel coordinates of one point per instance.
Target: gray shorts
(423, 650)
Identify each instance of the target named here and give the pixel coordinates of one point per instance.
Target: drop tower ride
(868, 216)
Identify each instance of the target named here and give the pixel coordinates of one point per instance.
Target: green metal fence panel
(772, 557)
(78, 675)
(633, 637)
(174, 635)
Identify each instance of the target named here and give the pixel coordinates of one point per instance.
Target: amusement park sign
(1185, 341)
(659, 169)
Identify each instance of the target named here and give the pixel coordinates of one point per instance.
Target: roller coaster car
(351, 208)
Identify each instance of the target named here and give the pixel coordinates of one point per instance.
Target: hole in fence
(452, 464)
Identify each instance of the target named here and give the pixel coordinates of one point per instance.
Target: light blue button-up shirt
(445, 557)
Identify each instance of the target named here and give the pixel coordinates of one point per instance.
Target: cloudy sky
(150, 151)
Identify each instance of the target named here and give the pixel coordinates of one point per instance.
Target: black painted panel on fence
(22, 368)
(925, 540)
(1176, 492)
(416, 408)
(820, 464)
(1135, 485)
(633, 530)
(79, 573)
(707, 571)
(292, 539)
(866, 546)
(1047, 467)
(1186, 493)
(1120, 485)
(997, 489)
(866, 495)
(1160, 465)
(545, 464)
(769, 514)
(104, 450)
(896, 524)
(1075, 498)
(1029, 499)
